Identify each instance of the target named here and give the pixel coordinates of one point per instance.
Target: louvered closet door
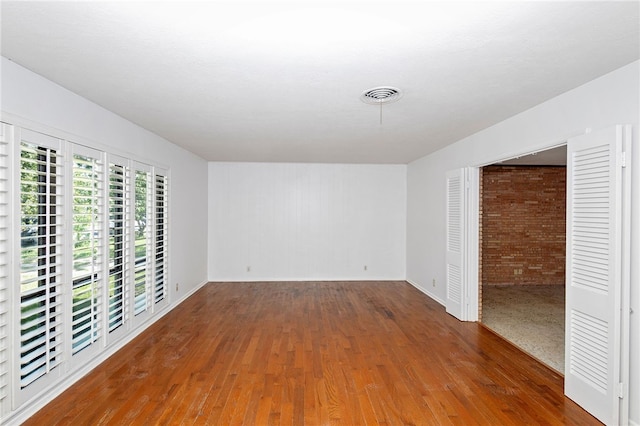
(593, 274)
(455, 242)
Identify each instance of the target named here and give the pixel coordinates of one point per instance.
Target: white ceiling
(277, 81)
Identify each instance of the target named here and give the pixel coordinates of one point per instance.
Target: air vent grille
(382, 94)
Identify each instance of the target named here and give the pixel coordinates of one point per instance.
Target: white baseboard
(29, 408)
(425, 291)
(301, 279)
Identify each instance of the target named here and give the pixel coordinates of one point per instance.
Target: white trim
(431, 295)
(537, 147)
(634, 160)
(235, 279)
(625, 296)
(472, 250)
(25, 123)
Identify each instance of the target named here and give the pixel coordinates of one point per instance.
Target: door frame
(472, 231)
(473, 282)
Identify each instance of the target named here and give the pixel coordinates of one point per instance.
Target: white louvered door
(455, 242)
(594, 271)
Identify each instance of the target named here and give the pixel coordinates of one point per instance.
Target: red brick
(523, 225)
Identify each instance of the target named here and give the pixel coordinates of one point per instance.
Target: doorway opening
(522, 253)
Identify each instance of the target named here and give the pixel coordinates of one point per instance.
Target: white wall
(29, 100)
(33, 99)
(608, 100)
(311, 221)
(306, 221)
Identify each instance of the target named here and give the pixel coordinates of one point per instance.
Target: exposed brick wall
(523, 225)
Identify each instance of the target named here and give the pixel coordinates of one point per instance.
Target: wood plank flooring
(315, 353)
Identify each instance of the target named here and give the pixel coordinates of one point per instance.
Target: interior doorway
(522, 252)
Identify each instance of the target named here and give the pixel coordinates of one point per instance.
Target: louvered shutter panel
(87, 248)
(593, 273)
(5, 138)
(161, 240)
(142, 223)
(119, 201)
(455, 226)
(41, 256)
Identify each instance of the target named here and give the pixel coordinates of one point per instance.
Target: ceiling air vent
(380, 95)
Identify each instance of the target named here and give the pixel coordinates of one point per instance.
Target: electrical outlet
(433, 282)
(365, 267)
(177, 284)
(248, 268)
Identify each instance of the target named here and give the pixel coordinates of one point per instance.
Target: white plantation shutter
(119, 200)
(41, 256)
(593, 276)
(161, 235)
(5, 139)
(83, 259)
(455, 227)
(142, 220)
(87, 274)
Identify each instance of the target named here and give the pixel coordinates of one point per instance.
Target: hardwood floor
(344, 353)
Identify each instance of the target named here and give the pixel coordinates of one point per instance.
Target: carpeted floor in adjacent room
(530, 316)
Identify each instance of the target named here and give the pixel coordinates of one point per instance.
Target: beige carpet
(531, 316)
